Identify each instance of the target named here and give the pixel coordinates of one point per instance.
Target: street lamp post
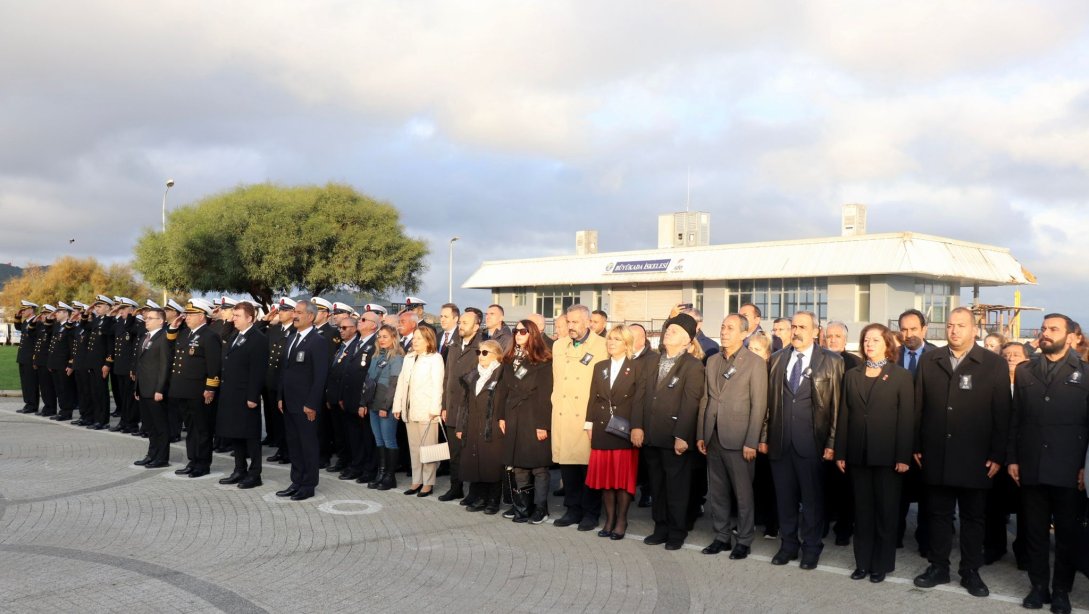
(450, 295)
(169, 184)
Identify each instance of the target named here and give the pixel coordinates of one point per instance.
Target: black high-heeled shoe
(412, 491)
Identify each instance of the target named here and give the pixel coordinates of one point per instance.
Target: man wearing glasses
(153, 357)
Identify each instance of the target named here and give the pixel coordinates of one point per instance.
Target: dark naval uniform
(41, 332)
(28, 375)
(198, 356)
(122, 360)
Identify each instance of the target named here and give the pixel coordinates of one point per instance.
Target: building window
(552, 301)
(697, 298)
(934, 299)
(862, 299)
(597, 298)
(519, 299)
(781, 298)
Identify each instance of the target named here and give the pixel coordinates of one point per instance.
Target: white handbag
(436, 452)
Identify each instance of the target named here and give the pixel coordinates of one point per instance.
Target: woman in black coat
(525, 418)
(617, 389)
(874, 436)
(478, 429)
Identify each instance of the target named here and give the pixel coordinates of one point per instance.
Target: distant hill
(7, 271)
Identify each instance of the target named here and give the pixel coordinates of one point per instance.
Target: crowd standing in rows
(787, 430)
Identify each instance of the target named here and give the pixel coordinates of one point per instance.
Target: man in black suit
(362, 462)
(28, 375)
(962, 396)
(301, 392)
(153, 358)
(913, 344)
(448, 323)
(1048, 434)
(238, 421)
(280, 331)
(336, 412)
(804, 392)
(752, 313)
(194, 381)
(460, 360)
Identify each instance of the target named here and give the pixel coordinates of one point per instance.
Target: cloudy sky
(514, 124)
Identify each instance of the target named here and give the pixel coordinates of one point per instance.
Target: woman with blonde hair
(418, 401)
(478, 429)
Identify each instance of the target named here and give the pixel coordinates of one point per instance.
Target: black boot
(377, 481)
(389, 479)
(522, 498)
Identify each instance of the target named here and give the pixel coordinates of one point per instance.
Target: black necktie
(912, 364)
(294, 342)
(796, 374)
(147, 341)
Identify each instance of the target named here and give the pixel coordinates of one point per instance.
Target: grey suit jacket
(735, 398)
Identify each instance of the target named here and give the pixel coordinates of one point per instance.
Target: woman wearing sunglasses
(384, 371)
(478, 430)
(525, 417)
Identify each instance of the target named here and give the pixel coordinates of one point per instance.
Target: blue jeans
(385, 430)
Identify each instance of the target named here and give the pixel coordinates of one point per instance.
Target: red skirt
(613, 469)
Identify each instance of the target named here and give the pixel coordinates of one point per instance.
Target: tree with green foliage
(267, 239)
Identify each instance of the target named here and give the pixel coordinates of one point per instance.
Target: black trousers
(130, 410)
(302, 440)
(839, 502)
(486, 491)
(198, 439)
(99, 394)
(456, 484)
(360, 441)
(66, 391)
(330, 435)
(972, 504)
(82, 380)
(876, 513)
(28, 381)
(1002, 500)
(116, 381)
(697, 488)
(670, 478)
(175, 418)
(274, 422)
(1043, 505)
(763, 487)
(799, 483)
(250, 448)
(47, 390)
(157, 428)
(579, 499)
(912, 490)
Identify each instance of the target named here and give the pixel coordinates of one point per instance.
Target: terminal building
(855, 278)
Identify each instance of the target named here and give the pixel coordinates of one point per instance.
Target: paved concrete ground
(83, 529)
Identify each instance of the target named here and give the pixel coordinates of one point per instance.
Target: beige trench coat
(570, 396)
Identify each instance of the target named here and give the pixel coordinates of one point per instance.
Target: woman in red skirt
(616, 395)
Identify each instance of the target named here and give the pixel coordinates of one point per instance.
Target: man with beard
(963, 404)
(461, 359)
(1048, 434)
(913, 345)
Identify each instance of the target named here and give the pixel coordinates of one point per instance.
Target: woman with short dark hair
(874, 438)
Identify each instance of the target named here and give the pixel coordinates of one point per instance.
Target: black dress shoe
(302, 495)
(467, 501)
(234, 478)
(740, 551)
(287, 492)
(971, 581)
(477, 506)
(783, 557)
(877, 578)
(673, 544)
(1060, 602)
(98, 427)
(274, 458)
(450, 495)
(412, 491)
(492, 508)
(196, 473)
(859, 573)
(843, 541)
(604, 533)
(567, 520)
(587, 524)
(426, 493)
(184, 470)
(75, 422)
(115, 414)
(249, 482)
(1036, 598)
(323, 464)
(158, 465)
(115, 429)
(933, 576)
(655, 539)
(349, 475)
(616, 536)
(809, 561)
(716, 547)
(337, 468)
(990, 558)
(143, 461)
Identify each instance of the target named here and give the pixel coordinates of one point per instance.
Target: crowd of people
(788, 430)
